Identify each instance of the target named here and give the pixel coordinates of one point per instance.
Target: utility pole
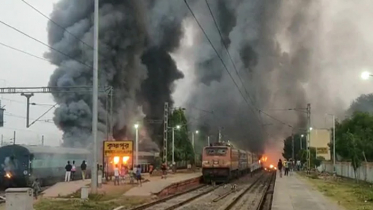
(94, 181)
(173, 146)
(334, 145)
(292, 145)
(28, 96)
(165, 127)
(42, 140)
(208, 140)
(14, 137)
(309, 135)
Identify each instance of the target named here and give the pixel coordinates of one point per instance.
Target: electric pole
(28, 96)
(292, 145)
(308, 135)
(42, 140)
(165, 121)
(14, 137)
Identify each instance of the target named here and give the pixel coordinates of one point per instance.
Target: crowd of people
(288, 166)
(71, 169)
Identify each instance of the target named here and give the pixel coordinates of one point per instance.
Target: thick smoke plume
(287, 53)
(136, 38)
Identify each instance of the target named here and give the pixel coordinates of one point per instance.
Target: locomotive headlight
(25, 172)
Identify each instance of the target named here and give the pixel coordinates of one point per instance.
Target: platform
(65, 188)
(292, 193)
(157, 185)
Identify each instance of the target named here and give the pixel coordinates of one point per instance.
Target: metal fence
(345, 169)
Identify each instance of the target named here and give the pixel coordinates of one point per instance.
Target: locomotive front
(216, 163)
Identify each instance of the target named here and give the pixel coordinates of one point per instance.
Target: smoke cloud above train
(152, 51)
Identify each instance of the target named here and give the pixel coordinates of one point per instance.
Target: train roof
(39, 149)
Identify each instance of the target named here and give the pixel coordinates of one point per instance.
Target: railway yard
(247, 192)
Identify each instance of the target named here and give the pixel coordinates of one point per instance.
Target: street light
(311, 128)
(137, 145)
(173, 144)
(193, 138)
(301, 141)
(365, 75)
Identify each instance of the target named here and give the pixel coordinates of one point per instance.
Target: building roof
(39, 149)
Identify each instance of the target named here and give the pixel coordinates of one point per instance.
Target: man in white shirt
(116, 175)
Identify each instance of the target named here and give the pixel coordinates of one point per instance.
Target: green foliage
(362, 104)
(287, 153)
(354, 138)
(183, 145)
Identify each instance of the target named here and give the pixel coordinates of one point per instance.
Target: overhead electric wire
(235, 68)
(21, 51)
(229, 55)
(57, 24)
(225, 67)
(37, 40)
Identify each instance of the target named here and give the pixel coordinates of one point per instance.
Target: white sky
(20, 70)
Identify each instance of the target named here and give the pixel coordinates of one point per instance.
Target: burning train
(267, 164)
(222, 162)
(21, 164)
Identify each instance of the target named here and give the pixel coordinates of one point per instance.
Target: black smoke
(135, 39)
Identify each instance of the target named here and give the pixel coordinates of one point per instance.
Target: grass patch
(348, 193)
(112, 198)
(97, 203)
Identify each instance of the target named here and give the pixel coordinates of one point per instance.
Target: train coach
(21, 164)
(221, 162)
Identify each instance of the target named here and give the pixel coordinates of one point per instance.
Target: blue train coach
(21, 164)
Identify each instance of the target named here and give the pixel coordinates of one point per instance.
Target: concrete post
(19, 199)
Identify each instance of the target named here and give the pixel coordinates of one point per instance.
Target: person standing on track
(68, 168)
(279, 167)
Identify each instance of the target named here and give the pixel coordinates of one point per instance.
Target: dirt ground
(108, 197)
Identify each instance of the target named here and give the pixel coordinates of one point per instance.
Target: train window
(221, 151)
(216, 151)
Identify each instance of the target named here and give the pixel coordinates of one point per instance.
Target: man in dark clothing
(279, 167)
(83, 167)
(68, 168)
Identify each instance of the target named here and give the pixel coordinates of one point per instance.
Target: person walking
(68, 168)
(286, 165)
(73, 169)
(138, 175)
(36, 188)
(83, 168)
(279, 167)
(116, 175)
(164, 170)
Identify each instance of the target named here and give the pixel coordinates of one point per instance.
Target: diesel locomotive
(222, 162)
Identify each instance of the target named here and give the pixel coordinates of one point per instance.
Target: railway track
(253, 196)
(204, 197)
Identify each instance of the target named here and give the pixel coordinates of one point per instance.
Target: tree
(288, 147)
(360, 125)
(183, 146)
(355, 154)
(364, 103)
